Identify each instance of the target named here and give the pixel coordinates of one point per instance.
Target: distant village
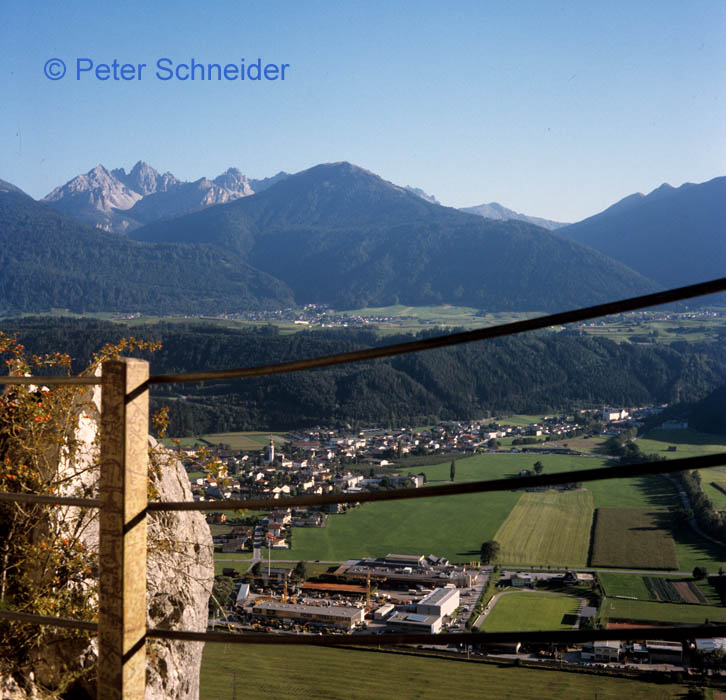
(323, 460)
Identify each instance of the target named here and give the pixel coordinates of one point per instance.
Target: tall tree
(538, 467)
(452, 470)
(490, 551)
(301, 570)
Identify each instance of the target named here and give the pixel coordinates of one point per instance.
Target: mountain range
(119, 201)
(49, 259)
(494, 210)
(675, 236)
(334, 234)
(339, 234)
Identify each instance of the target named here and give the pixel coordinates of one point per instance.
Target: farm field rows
(531, 611)
(615, 609)
(232, 671)
(456, 526)
(550, 528)
(632, 538)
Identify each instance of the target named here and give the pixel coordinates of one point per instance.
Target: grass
(633, 538)
(688, 443)
(633, 585)
(520, 419)
(627, 585)
(693, 550)
(550, 528)
(241, 564)
(531, 611)
(234, 671)
(650, 611)
(244, 440)
(173, 443)
(644, 492)
(402, 319)
(582, 443)
(452, 526)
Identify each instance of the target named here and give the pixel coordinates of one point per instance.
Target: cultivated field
(235, 671)
(550, 528)
(451, 526)
(531, 611)
(616, 609)
(632, 538)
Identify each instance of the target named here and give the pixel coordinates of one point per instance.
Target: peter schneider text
(167, 69)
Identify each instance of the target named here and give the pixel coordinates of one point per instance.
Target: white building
(440, 602)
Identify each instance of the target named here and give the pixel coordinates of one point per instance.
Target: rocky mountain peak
(497, 212)
(420, 193)
(98, 189)
(143, 178)
(234, 181)
(105, 199)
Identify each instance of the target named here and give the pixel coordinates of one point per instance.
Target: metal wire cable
(625, 471)
(442, 341)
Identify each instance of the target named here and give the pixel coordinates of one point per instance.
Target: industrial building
(333, 615)
(441, 602)
(406, 571)
(414, 622)
(428, 615)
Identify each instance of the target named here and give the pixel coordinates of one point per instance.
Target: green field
(688, 443)
(643, 492)
(632, 538)
(616, 609)
(451, 526)
(221, 564)
(455, 526)
(520, 419)
(401, 319)
(244, 441)
(531, 611)
(627, 585)
(633, 585)
(631, 329)
(235, 671)
(549, 528)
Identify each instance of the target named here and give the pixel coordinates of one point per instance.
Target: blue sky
(555, 109)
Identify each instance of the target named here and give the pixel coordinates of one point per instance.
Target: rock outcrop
(180, 575)
(179, 582)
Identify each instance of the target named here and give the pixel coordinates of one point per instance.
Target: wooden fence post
(122, 546)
